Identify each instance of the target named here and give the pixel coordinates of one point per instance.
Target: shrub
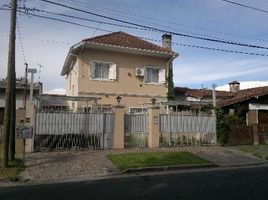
(222, 127)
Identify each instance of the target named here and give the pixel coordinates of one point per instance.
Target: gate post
(119, 132)
(30, 114)
(153, 127)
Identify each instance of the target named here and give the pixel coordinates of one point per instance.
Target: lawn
(150, 159)
(16, 166)
(256, 150)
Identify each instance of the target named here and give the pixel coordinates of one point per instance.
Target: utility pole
(10, 74)
(12, 140)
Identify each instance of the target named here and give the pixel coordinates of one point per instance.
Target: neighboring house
(118, 64)
(244, 101)
(20, 85)
(234, 101)
(195, 99)
(188, 94)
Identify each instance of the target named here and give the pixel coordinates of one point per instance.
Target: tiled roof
(202, 93)
(244, 95)
(121, 39)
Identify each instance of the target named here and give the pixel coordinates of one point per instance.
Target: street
(243, 183)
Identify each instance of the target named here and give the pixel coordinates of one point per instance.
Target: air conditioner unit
(139, 71)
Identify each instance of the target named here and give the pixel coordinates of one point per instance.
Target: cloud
(244, 85)
(61, 91)
(217, 69)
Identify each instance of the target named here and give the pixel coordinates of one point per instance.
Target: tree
(170, 83)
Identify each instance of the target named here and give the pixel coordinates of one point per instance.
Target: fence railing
(262, 128)
(76, 130)
(136, 130)
(240, 134)
(177, 129)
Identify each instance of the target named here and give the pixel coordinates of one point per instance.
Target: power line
(158, 29)
(208, 48)
(65, 21)
(128, 15)
(21, 43)
(139, 20)
(74, 17)
(41, 40)
(97, 21)
(149, 39)
(246, 6)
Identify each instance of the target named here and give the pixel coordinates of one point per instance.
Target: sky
(46, 42)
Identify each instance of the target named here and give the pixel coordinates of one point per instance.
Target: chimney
(166, 41)
(234, 86)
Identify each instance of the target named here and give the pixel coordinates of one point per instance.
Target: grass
(16, 166)
(256, 150)
(150, 159)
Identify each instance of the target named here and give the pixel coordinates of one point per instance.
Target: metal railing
(136, 130)
(177, 129)
(73, 130)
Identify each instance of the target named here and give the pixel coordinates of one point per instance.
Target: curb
(172, 167)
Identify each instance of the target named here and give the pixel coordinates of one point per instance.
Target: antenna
(39, 70)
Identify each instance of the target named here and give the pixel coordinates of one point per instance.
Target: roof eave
(94, 45)
(69, 58)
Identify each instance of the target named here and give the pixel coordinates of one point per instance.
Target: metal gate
(179, 130)
(136, 130)
(54, 130)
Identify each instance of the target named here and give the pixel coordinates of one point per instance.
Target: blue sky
(47, 42)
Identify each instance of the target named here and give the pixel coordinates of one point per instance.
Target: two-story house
(118, 64)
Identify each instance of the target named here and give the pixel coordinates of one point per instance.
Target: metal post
(214, 94)
(25, 86)
(214, 111)
(32, 72)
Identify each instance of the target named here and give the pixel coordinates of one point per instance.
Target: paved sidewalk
(62, 165)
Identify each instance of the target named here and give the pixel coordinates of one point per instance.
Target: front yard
(256, 150)
(16, 166)
(151, 159)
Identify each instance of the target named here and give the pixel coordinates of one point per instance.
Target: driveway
(93, 163)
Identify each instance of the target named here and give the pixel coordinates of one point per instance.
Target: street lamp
(118, 99)
(153, 100)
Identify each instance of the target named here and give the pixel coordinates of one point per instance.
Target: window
(154, 75)
(102, 70)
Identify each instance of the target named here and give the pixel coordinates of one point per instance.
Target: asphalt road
(247, 183)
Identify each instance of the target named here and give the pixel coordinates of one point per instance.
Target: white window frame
(112, 76)
(154, 83)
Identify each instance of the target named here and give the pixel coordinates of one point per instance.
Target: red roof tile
(202, 93)
(244, 95)
(122, 39)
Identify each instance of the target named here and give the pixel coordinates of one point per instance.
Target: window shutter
(112, 72)
(146, 75)
(162, 75)
(92, 70)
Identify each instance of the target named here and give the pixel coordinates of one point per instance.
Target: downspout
(170, 68)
